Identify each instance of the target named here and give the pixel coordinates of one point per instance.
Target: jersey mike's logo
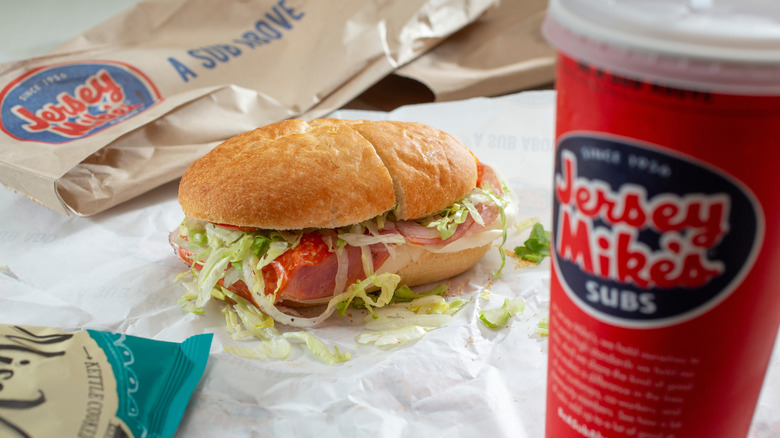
(645, 237)
(61, 103)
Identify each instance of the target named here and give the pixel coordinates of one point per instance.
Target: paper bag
(502, 52)
(128, 105)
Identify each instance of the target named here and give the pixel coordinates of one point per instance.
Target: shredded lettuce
(217, 236)
(405, 293)
(235, 272)
(402, 294)
(213, 270)
(501, 204)
(403, 322)
(190, 226)
(393, 336)
(543, 328)
(446, 221)
(199, 239)
(429, 304)
(260, 245)
(187, 300)
(455, 305)
(495, 318)
(187, 303)
(257, 351)
(248, 273)
(387, 320)
(256, 324)
(318, 348)
(387, 283)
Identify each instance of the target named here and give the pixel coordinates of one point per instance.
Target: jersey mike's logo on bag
(646, 238)
(61, 103)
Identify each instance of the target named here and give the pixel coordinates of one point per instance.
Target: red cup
(665, 293)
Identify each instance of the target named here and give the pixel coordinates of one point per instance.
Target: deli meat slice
(417, 234)
(487, 178)
(428, 236)
(318, 281)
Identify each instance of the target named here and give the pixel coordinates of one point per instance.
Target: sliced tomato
(487, 176)
(187, 256)
(480, 173)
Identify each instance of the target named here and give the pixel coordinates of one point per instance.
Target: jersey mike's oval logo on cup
(66, 102)
(645, 237)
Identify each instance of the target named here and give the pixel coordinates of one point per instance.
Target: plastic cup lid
(724, 30)
(730, 46)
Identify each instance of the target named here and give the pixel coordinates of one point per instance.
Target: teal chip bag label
(88, 383)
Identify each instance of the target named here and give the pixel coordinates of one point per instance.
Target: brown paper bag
(128, 105)
(502, 52)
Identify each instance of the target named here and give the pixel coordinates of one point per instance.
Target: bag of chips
(89, 383)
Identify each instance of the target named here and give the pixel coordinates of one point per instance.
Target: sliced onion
(343, 270)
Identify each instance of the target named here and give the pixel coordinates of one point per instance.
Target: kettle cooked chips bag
(92, 383)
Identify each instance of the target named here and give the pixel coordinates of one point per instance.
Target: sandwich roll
(300, 213)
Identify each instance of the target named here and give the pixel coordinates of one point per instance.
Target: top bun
(327, 173)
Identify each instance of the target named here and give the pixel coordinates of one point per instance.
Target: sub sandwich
(300, 213)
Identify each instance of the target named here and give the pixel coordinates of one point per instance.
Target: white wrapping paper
(114, 271)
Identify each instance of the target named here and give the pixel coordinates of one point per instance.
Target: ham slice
(428, 236)
(314, 282)
(417, 234)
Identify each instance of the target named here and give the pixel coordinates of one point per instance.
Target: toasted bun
(431, 266)
(326, 174)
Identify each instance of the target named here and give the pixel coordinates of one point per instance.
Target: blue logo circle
(62, 103)
(645, 237)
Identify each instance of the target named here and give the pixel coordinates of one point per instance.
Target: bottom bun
(423, 268)
(436, 266)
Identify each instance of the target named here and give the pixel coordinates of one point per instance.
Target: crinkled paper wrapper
(114, 271)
